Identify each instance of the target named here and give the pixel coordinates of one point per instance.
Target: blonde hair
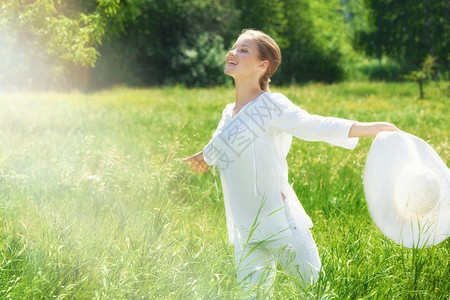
(268, 50)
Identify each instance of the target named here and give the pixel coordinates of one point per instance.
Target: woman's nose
(232, 52)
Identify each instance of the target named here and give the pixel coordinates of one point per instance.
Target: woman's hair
(268, 50)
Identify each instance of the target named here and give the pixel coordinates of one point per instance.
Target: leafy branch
(422, 75)
(72, 39)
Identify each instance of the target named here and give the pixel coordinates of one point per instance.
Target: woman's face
(243, 59)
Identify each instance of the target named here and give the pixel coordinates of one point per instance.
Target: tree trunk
(421, 89)
(435, 74)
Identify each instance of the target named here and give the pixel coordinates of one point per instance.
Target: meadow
(95, 202)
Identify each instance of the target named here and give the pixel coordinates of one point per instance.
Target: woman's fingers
(390, 127)
(197, 165)
(201, 166)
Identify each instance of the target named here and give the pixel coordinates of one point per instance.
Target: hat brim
(389, 153)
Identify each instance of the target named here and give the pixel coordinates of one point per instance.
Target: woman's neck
(246, 92)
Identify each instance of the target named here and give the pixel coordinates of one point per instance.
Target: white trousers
(297, 255)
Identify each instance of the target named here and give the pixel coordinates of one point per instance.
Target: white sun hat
(407, 187)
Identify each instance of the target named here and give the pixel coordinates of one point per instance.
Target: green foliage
(43, 41)
(425, 73)
(171, 41)
(266, 15)
(201, 60)
(48, 43)
(95, 205)
(310, 50)
(385, 69)
(407, 31)
(69, 39)
(422, 75)
(315, 52)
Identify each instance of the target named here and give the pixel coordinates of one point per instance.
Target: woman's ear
(264, 64)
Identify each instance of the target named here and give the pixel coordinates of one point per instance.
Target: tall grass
(95, 204)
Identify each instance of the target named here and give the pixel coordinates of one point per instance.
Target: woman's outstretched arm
(362, 129)
(197, 162)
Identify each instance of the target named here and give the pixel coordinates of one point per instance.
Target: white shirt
(250, 151)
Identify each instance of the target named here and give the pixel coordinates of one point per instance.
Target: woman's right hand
(197, 162)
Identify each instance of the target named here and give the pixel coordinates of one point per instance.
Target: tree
(312, 36)
(69, 38)
(155, 42)
(46, 34)
(167, 42)
(174, 41)
(407, 30)
(422, 75)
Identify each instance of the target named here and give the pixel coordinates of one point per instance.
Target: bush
(200, 61)
(379, 69)
(166, 42)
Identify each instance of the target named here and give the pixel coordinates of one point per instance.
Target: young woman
(265, 220)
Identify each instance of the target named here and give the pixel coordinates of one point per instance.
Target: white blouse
(250, 151)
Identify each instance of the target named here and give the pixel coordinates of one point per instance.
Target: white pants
(297, 255)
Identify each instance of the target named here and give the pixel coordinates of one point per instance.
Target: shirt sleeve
(296, 121)
(211, 153)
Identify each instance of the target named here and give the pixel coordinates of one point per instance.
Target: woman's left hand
(383, 126)
(197, 162)
(361, 129)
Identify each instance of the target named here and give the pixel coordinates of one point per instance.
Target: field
(96, 204)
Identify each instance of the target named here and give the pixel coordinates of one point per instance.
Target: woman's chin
(228, 72)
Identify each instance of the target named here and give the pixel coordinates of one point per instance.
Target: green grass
(94, 203)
